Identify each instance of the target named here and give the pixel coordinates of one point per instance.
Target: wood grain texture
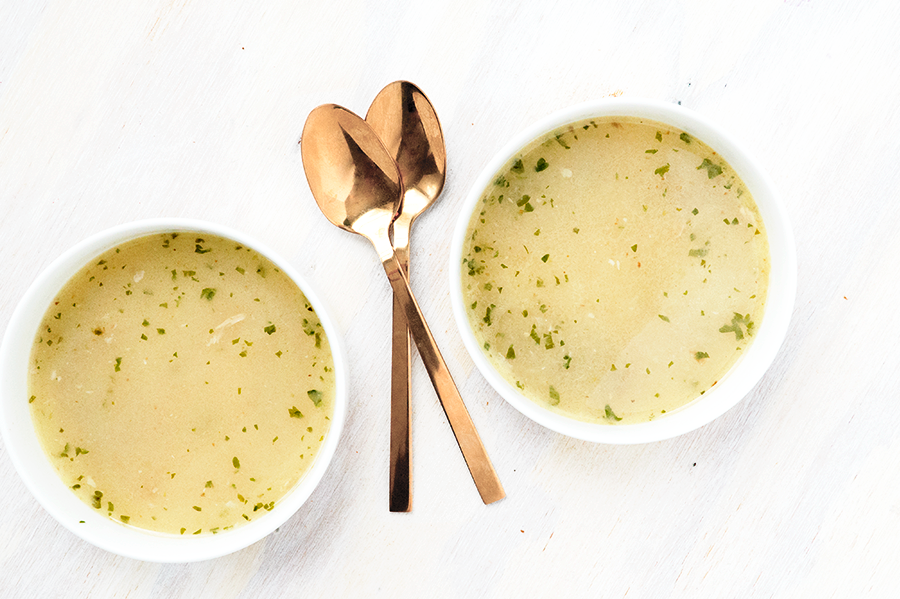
(111, 112)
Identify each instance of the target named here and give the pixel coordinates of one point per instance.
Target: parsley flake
(610, 415)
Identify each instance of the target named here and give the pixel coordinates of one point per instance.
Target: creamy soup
(181, 383)
(616, 270)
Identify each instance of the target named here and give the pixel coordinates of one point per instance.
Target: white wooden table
(116, 111)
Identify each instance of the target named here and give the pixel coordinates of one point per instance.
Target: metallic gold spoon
(358, 187)
(408, 126)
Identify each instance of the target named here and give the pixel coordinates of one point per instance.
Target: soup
(615, 270)
(181, 383)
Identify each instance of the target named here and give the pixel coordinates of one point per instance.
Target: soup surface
(181, 383)
(616, 270)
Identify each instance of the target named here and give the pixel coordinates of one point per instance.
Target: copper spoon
(358, 187)
(405, 121)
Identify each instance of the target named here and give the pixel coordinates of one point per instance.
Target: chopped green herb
(735, 326)
(161, 331)
(118, 364)
(666, 318)
(661, 171)
(315, 396)
(634, 248)
(700, 355)
(685, 138)
(712, 170)
(698, 253)
(208, 293)
(510, 353)
(695, 212)
(610, 415)
(236, 462)
(548, 341)
(554, 396)
(209, 484)
(269, 329)
(541, 164)
(545, 257)
(517, 166)
(294, 412)
(658, 136)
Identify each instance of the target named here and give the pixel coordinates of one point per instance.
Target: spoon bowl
(407, 124)
(356, 183)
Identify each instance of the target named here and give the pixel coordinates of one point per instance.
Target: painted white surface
(115, 111)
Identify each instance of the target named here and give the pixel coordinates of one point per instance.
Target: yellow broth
(181, 383)
(615, 270)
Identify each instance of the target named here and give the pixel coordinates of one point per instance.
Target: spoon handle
(470, 444)
(400, 496)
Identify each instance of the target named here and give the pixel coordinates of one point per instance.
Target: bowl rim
(749, 368)
(42, 480)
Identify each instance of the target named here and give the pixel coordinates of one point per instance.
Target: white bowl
(745, 373)
(33, 466)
